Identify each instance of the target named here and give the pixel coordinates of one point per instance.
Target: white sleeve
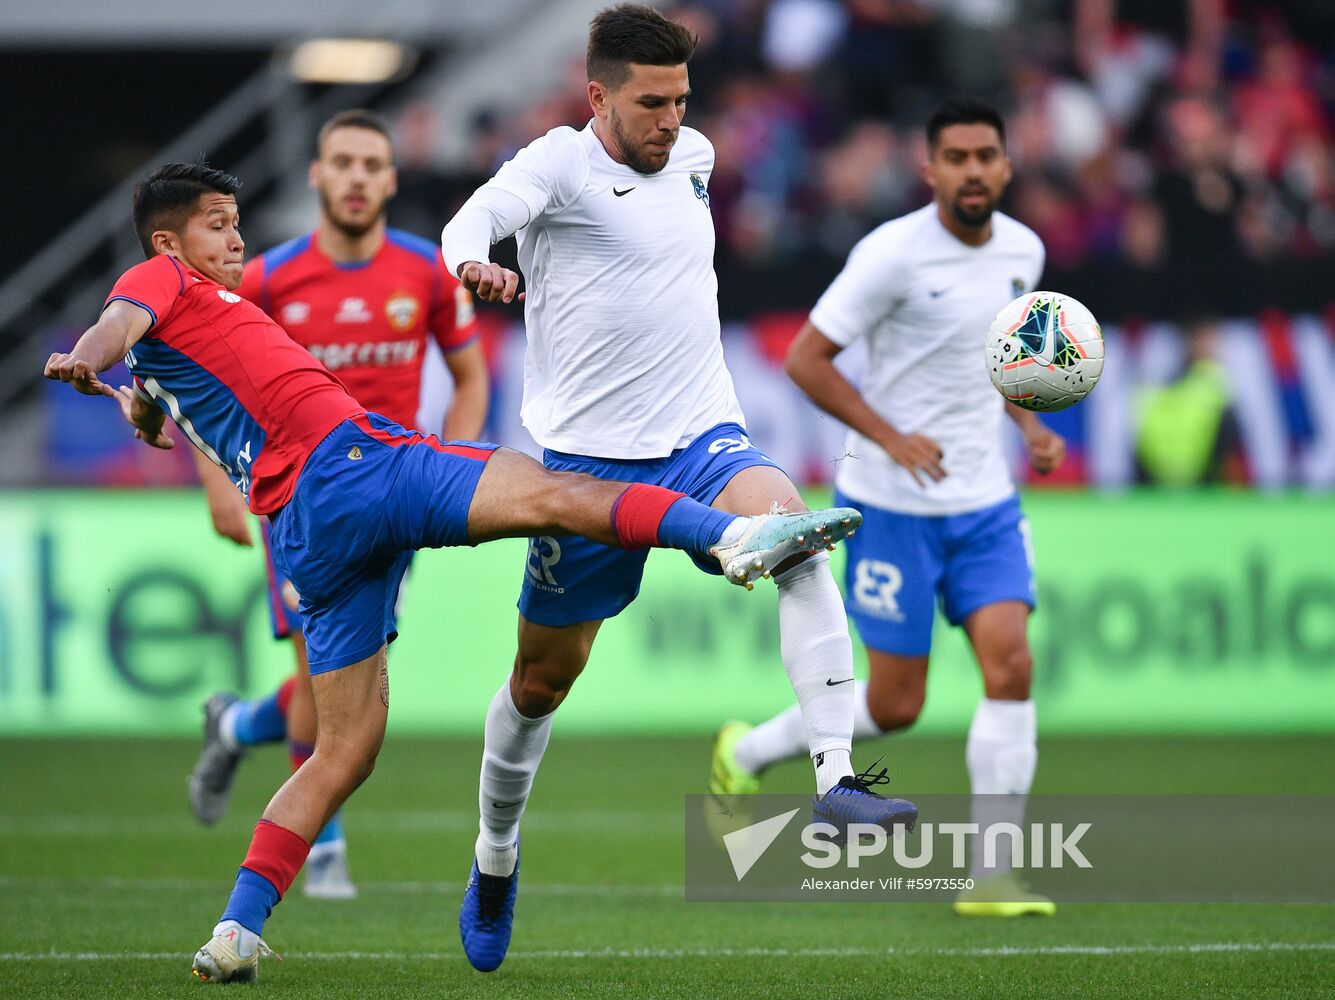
(866, 291)
(543, 177)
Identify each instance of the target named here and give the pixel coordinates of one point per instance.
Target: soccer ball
(1044, 351)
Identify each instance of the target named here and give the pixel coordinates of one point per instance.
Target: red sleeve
(253, 286)
(453, 322)
(155, 285)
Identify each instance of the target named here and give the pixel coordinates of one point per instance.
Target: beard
(348, 228)
(632, 153)
(974, 218)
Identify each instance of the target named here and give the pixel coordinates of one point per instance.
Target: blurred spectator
(1163, 138)
(1186, 430)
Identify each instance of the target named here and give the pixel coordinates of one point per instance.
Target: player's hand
(1046, 448)
(147, 427)
(230, 522)
(78, 373)
(490, 282)
(919, 454)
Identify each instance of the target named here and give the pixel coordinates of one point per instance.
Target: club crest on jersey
(698, 186)
(296, 312)
(1017, 286)
(402, 311)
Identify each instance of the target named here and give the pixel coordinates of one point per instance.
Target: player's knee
(352, 757)
(552, 498)
(1008, 677)
(896, 710)
(542, 683)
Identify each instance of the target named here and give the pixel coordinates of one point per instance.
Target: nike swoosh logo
(937, 293)
(830, 683)
(621, 194)
(506, 805)
(1045, 356)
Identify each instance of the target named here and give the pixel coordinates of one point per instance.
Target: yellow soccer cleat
(726, 776)
(1002, 895)
(232, 955)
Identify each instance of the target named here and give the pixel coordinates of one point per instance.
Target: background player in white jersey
(925, 466)
(624, 371)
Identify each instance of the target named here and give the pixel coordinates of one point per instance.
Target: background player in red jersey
(365, 300)
(350, 494)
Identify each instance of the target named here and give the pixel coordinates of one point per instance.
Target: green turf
(98, 854)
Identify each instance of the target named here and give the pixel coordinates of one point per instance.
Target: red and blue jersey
(249, 397)
(367, 321)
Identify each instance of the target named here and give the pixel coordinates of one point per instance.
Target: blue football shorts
(900, 565)
(569, 579)
(283, 617)
(282, 596)
(370, 494)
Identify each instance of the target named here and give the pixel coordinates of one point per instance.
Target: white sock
(816, 648)
(512, 749)
(227, 726)
(339, 846)
(1002, 754)
(246, 940)
(785, 736)
(733, 531)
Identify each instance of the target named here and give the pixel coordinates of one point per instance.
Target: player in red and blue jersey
(366, 301)
(349, 493)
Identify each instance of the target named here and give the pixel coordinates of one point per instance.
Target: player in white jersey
(625, 371)
(924, 463)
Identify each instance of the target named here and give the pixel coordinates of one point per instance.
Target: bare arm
(1046, 448)
(472, 390)
(104, 343)
(119, 328)
(227, 508)
(810, 365)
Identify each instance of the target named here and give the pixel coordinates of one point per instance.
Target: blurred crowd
(1142, 130)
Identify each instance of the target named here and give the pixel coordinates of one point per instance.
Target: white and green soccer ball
(1045, 351)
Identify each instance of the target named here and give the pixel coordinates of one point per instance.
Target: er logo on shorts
(875, 586)
(544, 552)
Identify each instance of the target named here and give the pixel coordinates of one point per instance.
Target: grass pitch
(108, 885)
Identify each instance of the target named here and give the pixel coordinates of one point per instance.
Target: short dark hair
(353, 118)
(170, 193)
(964, 111)
(633, 33)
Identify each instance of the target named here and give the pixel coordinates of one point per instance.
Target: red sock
(284, 695)
(638, 512)
(277, 854)
(298, 752)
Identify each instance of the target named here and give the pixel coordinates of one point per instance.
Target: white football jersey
(624, 358)
(924, 301)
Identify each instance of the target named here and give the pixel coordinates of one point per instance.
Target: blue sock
(251, 902)
(693, 526)
(259, 720)
(333, 830)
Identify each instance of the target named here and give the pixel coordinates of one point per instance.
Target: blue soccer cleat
(853, 801)
(487, 916)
